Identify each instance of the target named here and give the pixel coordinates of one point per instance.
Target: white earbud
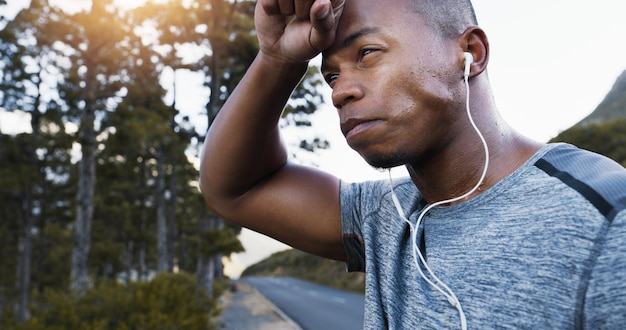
(468, 61)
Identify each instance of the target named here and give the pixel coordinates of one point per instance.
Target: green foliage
(308, 267)
(604, 130)
(94, 71)
(169, 301)
(306, 97)
(613, 106)
(44, 178)
(607, 138)
(222, 241)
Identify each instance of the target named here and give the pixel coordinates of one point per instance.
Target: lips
(354, 126)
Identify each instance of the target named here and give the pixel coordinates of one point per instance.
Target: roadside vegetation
(304, 266)
(168, 301)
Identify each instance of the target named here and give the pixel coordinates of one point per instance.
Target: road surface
(312, 306)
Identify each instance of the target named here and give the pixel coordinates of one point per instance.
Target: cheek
(432, 90)
(420, 102)
(400, 91)
(410, 96)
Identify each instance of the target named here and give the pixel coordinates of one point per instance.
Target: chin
(384, 161)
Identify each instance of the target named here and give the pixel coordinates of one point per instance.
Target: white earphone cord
(439, 285)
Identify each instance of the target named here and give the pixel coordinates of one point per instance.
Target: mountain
(604, 130)
(612, 107)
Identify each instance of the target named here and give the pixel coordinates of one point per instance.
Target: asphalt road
(312, 306)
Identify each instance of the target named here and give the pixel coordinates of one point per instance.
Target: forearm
(243, 145)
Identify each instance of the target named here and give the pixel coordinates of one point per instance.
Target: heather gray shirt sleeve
(605, 305)
(542, 249)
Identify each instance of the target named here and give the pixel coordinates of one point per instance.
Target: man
(491, 230)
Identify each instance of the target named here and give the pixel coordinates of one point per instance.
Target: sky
(551, 63)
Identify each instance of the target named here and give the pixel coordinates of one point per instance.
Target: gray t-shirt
(545, 248)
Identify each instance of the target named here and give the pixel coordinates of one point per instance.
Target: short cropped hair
(449, 17)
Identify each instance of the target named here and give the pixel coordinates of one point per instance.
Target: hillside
(298, 264)
(612, 107)
(604, 130)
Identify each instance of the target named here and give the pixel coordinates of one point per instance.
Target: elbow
(208, 182)
(208, 191)
(204, 190)
(207, 188)
(215, 195)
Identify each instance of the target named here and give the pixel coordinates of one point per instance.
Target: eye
(330, 78)
(365, 54)
(367, 51)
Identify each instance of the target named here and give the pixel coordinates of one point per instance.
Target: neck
(458, 167)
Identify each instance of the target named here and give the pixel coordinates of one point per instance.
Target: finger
(303, 8)
(286, 7)
(324, 18)
(270, 6)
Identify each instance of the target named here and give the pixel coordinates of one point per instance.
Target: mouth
(355, 126)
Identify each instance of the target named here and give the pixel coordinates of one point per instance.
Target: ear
(474, 41)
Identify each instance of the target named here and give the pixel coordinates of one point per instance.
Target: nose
(346, 89)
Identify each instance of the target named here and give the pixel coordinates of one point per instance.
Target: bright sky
(552, 62)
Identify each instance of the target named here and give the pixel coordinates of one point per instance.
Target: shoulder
(370, 195)
(597, 178)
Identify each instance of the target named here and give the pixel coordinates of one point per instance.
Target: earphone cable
(440, 286)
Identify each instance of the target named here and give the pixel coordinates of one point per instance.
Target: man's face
(396, 84)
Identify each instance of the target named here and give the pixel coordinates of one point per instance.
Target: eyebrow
(358, 34)
(352, 38)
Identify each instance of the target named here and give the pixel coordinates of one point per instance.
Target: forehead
(359, 13)
(363, 17)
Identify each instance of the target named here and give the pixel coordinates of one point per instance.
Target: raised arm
(244, 173)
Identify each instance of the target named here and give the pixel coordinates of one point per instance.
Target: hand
(295, 31)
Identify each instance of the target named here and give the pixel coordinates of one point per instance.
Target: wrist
(282, 67)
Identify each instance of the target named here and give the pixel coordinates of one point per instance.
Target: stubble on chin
(384, 162)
